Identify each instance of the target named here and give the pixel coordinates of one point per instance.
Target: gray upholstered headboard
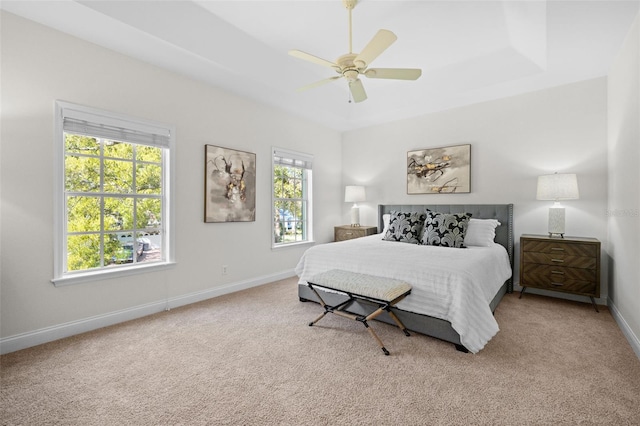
(502, 212)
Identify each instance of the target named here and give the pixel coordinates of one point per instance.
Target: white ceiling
(469, 51)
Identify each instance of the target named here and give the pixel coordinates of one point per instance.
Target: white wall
(513, 140)
(624, 186)
(40, 65)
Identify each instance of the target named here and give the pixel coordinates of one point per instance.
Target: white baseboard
(634, 341)
(49, 334)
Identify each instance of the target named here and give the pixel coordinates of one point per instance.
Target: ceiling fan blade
(309, 57)
(317, 83)
(377, 45)
(357, 90)
(394, 73)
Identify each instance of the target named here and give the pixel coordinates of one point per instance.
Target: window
(113, 186)
(291, 197)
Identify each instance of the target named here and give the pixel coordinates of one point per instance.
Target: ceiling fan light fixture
(350, 75)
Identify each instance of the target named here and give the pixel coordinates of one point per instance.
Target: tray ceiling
(469, 51)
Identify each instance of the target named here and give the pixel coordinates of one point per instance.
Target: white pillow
(481, 232)
(386, 218)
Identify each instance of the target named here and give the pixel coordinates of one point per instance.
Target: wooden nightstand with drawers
(570, 265)
(348, 232)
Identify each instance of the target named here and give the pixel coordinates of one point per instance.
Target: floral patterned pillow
(405, 227)
(445, 229)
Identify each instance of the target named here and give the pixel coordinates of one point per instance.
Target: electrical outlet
(225, 269)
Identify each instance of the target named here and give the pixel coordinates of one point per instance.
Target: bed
(454, 293)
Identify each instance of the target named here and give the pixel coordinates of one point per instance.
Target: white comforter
(456, 285)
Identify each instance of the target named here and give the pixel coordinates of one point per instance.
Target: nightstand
(570, 265)
(348, 232)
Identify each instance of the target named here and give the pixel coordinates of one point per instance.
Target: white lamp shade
(558, 187)
(354, 194)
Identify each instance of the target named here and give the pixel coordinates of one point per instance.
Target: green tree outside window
(113, 196)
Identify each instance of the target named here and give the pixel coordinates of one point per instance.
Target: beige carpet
(249, 358)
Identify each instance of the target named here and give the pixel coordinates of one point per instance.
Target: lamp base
(556, 220)
(551, 235)
(355, 216)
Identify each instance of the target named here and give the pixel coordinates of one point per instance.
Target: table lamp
(556, 187)
(354, 194)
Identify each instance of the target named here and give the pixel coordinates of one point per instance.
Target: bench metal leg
(360, 318)
(326, 307)
(400, 324)
(318, 319)
(375, 336)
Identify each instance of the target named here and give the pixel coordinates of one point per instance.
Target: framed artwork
(443, 170)
(229, 185)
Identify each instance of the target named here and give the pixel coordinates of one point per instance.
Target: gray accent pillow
(445, 229)
(405, 227)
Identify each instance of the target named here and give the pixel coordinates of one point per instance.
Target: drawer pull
(557, 272)
(557, 284)
(557, 260)
(557, 248)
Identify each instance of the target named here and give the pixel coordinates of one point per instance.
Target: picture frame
(229, 185)
(442, 170)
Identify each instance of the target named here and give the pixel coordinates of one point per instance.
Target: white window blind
(292, 159)
(114, 128)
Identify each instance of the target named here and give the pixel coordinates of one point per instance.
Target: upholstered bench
(385, 292)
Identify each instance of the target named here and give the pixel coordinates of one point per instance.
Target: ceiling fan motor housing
(347, 67)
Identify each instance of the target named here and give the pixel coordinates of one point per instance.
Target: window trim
(305, 161)
(64, 109)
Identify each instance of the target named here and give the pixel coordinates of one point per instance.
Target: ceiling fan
(352, 65)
